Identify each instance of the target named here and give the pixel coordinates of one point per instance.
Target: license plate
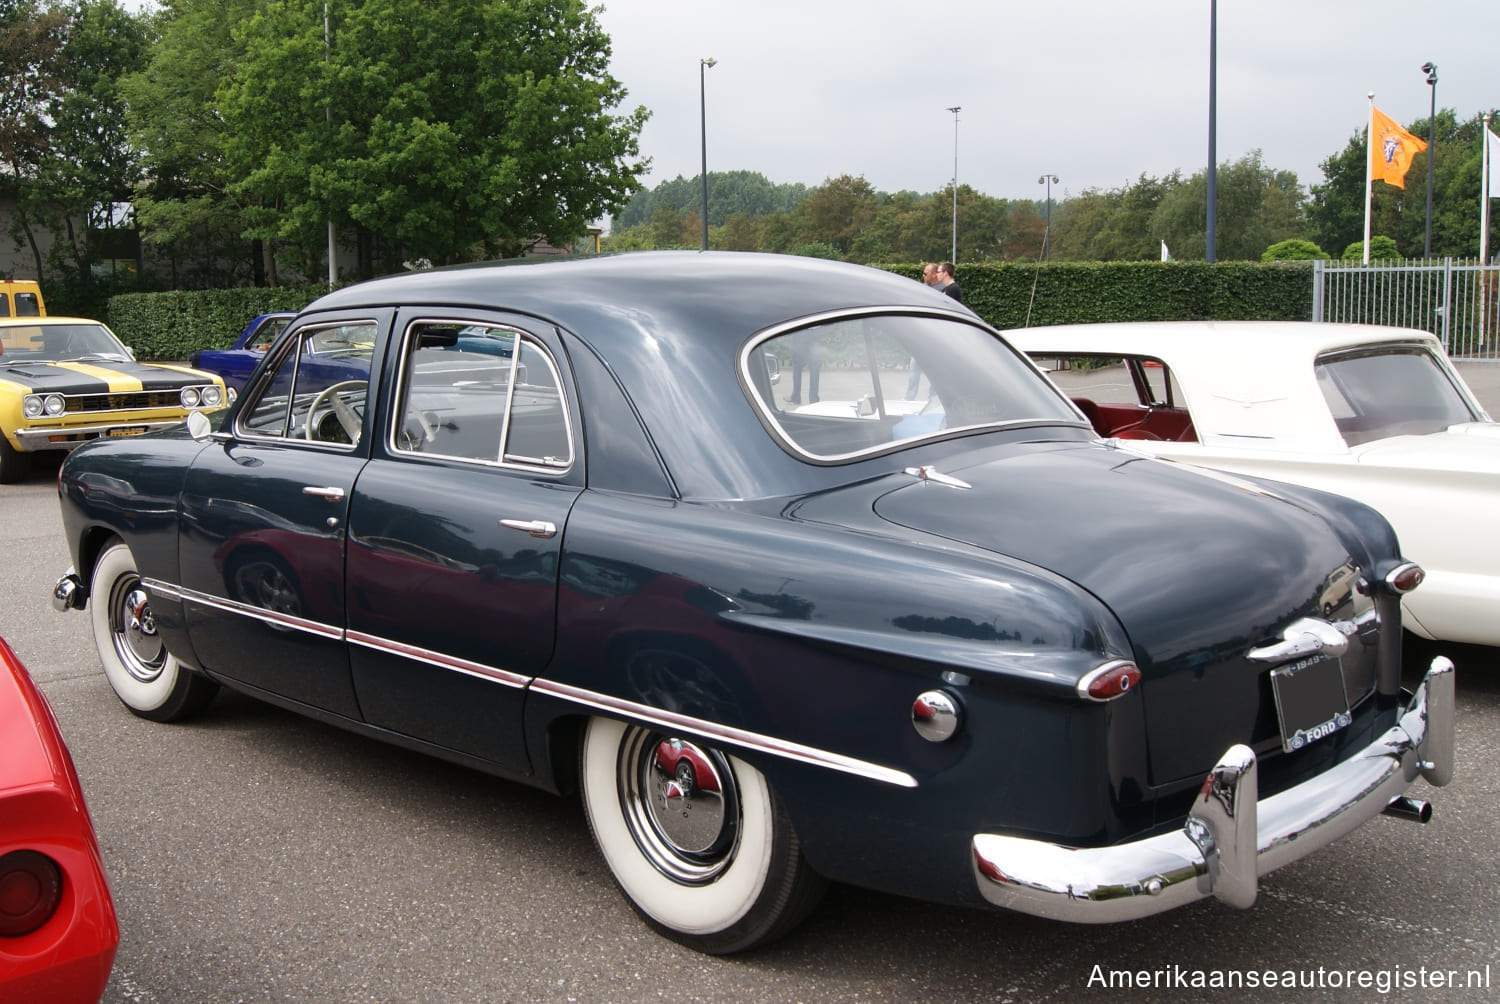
(135, 430)
(1310, 701)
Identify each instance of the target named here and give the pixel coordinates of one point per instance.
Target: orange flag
(1391, 149)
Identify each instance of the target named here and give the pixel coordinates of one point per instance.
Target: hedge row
(172, 325)
(1031, 295)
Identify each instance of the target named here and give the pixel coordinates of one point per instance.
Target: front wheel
(714, 865)
(145, 676)
(14, 465)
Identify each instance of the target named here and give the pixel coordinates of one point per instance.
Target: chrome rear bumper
(1230, 837)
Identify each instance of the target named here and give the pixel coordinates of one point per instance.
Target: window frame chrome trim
(241, 432)
(500, 463)
(766, 412)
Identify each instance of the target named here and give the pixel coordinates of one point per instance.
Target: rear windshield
(847, 388)
(1376, 395)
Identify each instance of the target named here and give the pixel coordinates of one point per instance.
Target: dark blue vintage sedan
(932, 637)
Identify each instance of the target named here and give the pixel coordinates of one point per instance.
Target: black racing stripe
(154, 377)
(44, 379)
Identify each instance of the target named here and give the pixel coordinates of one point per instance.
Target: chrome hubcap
(680, 803)
(137, 643)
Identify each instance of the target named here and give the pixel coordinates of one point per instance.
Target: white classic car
(1375, 413)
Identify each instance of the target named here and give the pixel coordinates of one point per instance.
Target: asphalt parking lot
(258, 856)
(1484, 380)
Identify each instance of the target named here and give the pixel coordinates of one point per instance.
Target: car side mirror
(199, 427)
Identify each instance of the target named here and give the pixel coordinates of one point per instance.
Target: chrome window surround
(304, 334)
(767, 412)
(521, 337)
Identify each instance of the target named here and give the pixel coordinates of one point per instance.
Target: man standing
(948, 282)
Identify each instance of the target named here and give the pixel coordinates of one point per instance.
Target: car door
(455, 531)
(265, 509)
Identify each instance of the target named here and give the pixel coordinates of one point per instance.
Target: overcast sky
(1097, 92)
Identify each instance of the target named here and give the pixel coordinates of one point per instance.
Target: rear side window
(850, 387)
(483, 393)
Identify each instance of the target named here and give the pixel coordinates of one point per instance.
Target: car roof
(1216, 340)
(683, 313)
(13, 322)
(1240, 378)
(675, 293)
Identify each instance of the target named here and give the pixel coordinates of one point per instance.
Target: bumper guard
(1230, 837)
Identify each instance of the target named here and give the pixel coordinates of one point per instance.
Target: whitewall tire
(707, 856)
(145, 676)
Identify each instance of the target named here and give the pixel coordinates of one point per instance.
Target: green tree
(88, 164)
(31, 41)
(183, 207)
(1293, 249)
(1337, 205)
(837, 212)
(1381, 248)
(450, 131)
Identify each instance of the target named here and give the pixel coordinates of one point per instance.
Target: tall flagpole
(1369, 171)
(1484, 196)
(1484, 223)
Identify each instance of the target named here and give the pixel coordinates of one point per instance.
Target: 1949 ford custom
(667, 530)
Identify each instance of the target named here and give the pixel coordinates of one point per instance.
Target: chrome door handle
(330, 493)
(535, 527)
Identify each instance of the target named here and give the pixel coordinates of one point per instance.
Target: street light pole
(1049, 180)
(703, 65)
(1211, 229)
(955, 110)
(1431, 70)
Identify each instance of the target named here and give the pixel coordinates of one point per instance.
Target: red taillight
(1111, 680)
(1405, 578)
(30, 891)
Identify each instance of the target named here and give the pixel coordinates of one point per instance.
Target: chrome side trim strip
(441, 661)
(235, 607)
(727, 734)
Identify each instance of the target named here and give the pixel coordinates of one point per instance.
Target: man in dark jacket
(948, 282)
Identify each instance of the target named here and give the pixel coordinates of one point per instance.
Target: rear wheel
(145, 676)
(713, 863)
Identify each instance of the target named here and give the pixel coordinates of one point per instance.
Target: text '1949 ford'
(675, 531)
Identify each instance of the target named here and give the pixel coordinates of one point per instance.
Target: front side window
(1375, 395)
(483, 393)
(318, 389)
(846, 388)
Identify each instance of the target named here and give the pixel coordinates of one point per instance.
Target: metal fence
(1456, 299)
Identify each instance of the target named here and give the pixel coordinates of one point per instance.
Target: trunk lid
(1199, 568)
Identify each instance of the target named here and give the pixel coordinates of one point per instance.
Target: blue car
(236, 364)
(956, 647)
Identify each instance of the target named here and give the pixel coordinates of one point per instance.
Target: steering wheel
(347, 419)
(412, 439)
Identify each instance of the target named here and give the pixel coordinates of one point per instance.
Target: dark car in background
(560, 522)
